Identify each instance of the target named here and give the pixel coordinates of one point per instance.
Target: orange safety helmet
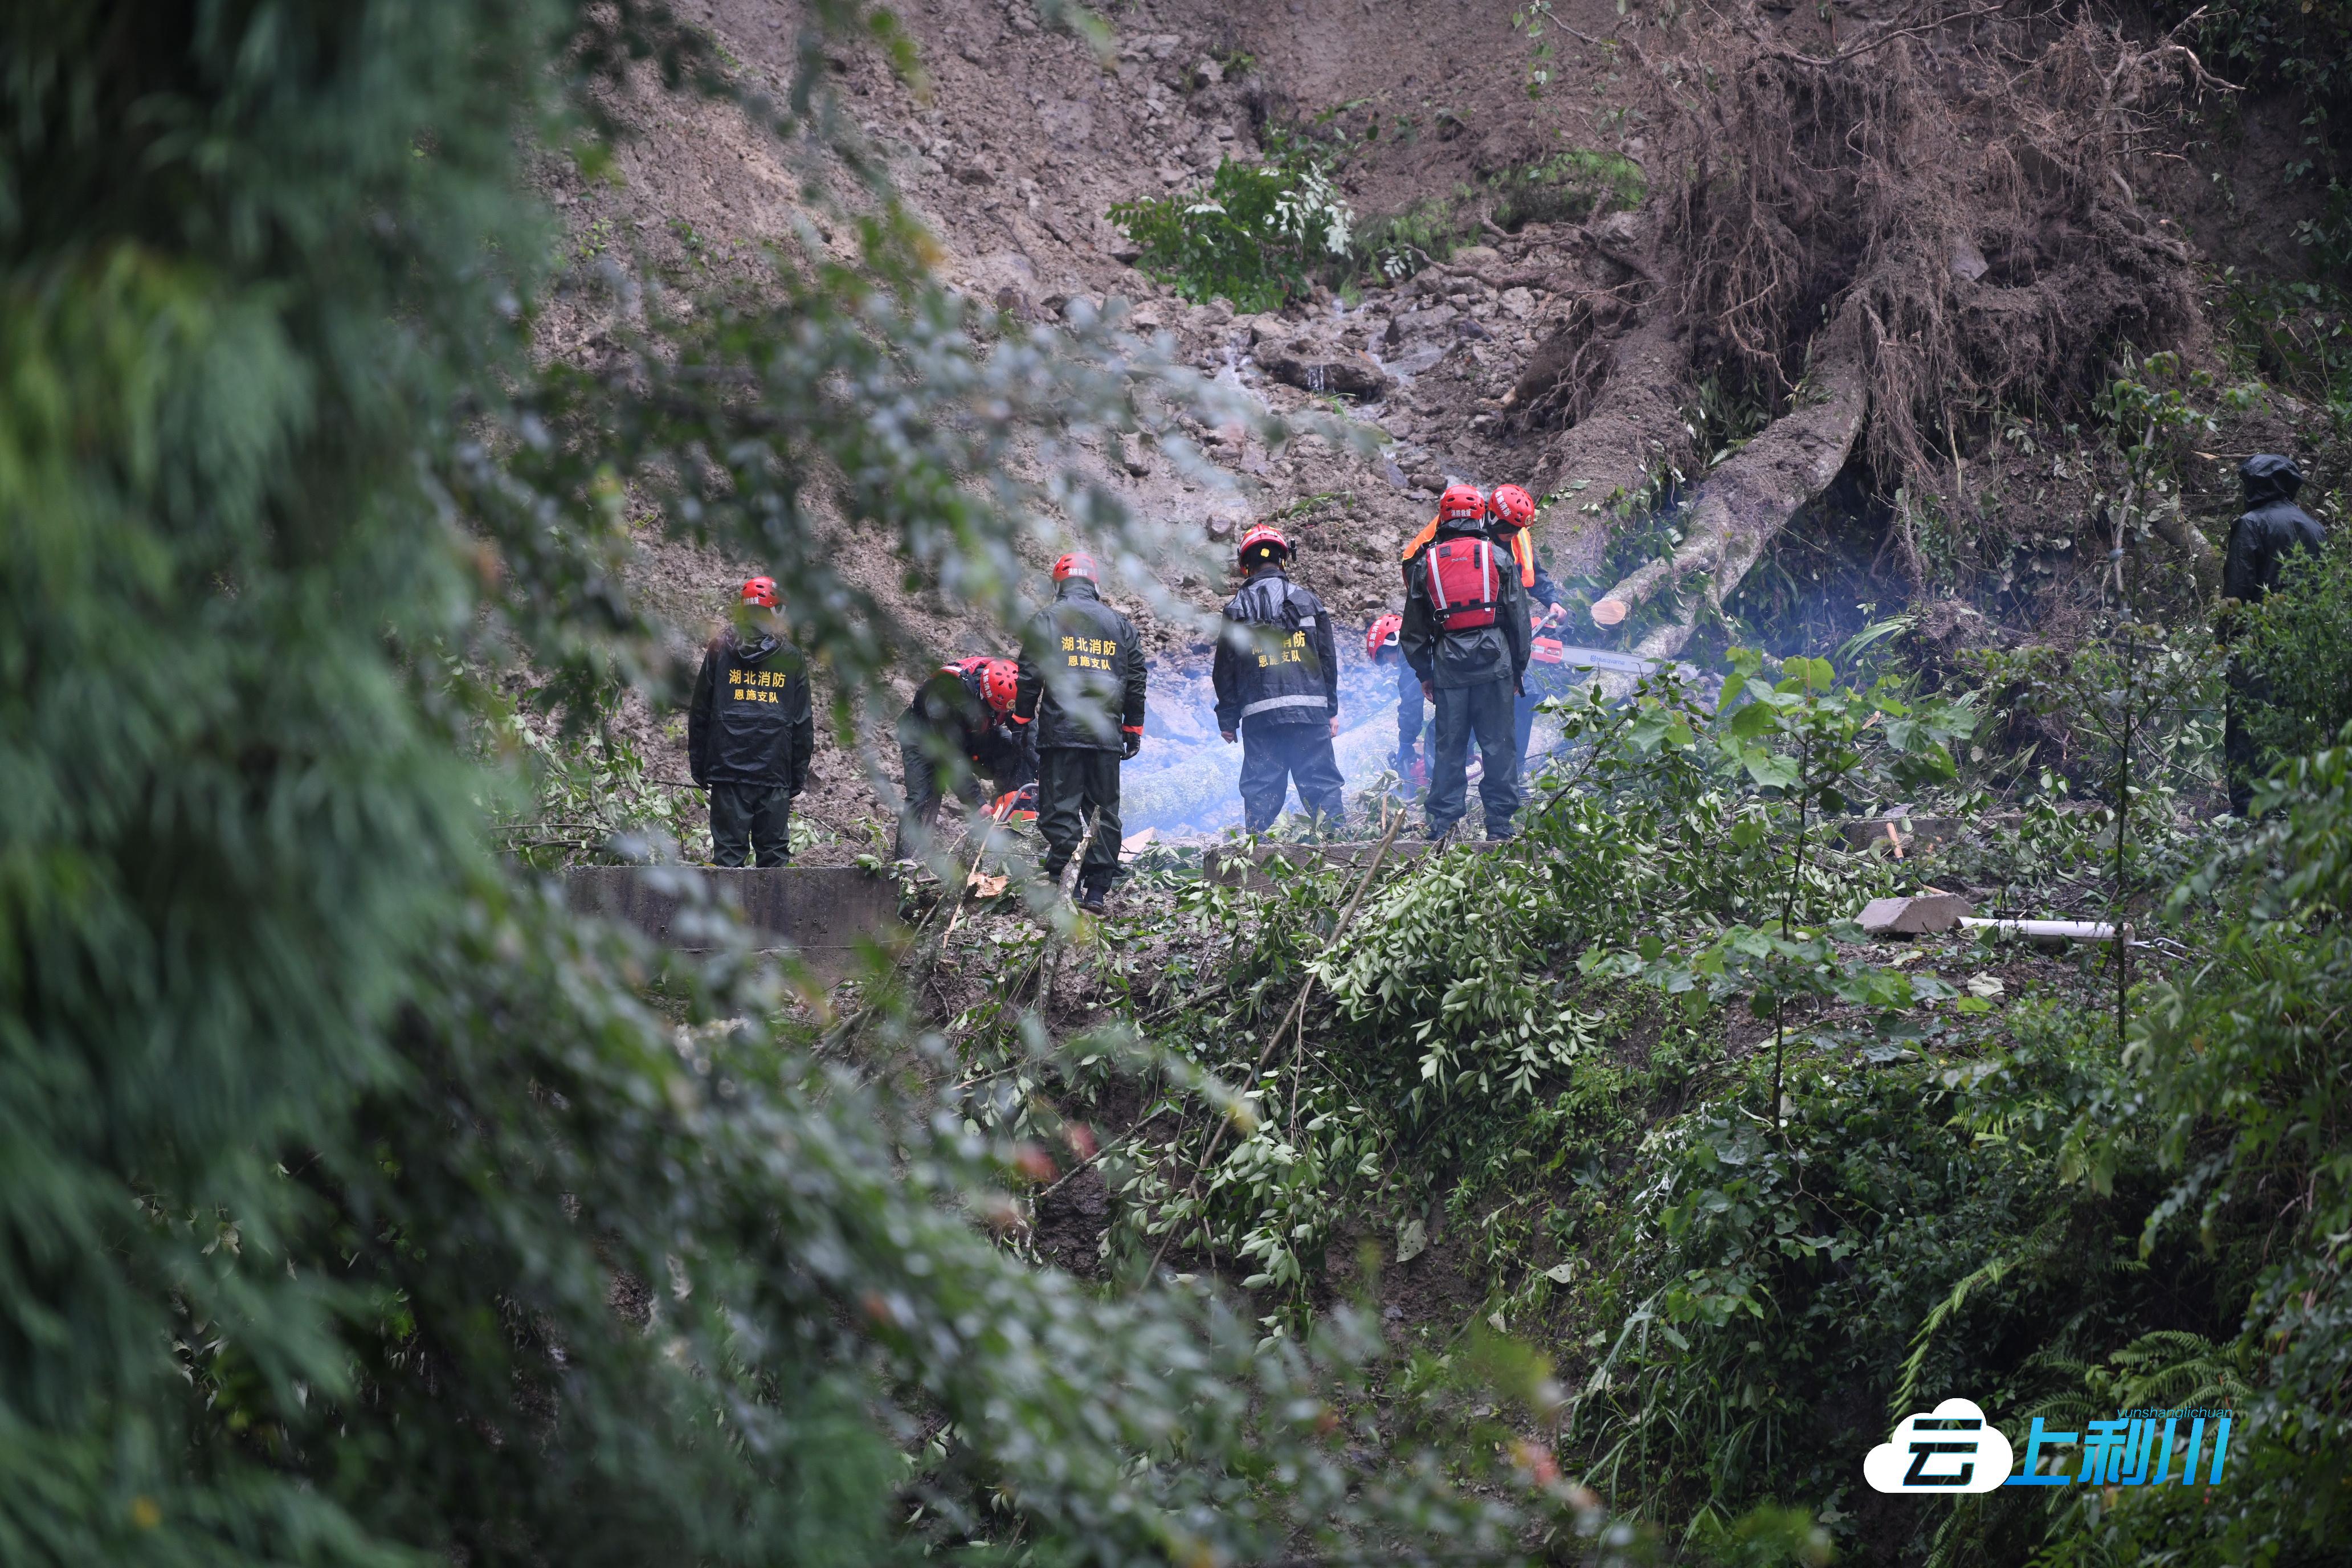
(760, 591)
(1388, 632)
(1077, 563)
(1263, 536)
(1512, 507)
(1461, 503)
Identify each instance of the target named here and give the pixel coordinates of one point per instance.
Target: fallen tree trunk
(1751, 496)
(1634, 430)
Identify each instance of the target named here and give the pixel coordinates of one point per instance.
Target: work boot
(1092, 897)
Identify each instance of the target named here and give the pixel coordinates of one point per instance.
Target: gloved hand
(1134, 743)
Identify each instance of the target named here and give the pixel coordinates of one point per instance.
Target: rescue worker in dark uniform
(1383, 645)
(1276, 673)
(1466, 636)
(957, 730)
(750, 733)
(2260, 540)
(1509, 511)
(1088, 718)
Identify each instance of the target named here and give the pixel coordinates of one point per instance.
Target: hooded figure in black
(1088, 720)
(2271, 528)
(1278, 678)
(750, 733)
(1466, 636)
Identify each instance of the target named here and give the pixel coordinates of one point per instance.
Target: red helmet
(760, 591)
(1461, 503)
(1001, 680)
(1077, 563)
(1265, 536)
(1512, 507)
(1388, 632)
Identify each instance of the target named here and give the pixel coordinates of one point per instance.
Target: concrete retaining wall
(823, 913)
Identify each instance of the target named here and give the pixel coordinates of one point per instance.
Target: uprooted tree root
(1887, 245)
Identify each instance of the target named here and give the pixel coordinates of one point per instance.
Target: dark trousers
(1273, 755)
(924, 796)
(757, 818)
(1483, 712)
(1412, 717)
(2242, 693)
(1075, 782)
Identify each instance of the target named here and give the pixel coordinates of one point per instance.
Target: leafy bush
(1258, 235)
(2297, 645)
(1570, 188)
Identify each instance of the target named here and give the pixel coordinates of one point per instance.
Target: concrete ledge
(823, 913)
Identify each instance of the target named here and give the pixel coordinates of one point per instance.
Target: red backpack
(1464, 586)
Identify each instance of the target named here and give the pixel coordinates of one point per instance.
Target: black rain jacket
(1097, 668)
(749, 723)
(954, 704)
(1454, 659)
(2271, 527)
(1277, 662)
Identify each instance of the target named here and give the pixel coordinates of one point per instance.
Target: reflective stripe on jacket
(1278, 660)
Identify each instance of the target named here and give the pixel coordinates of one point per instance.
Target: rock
(1915, 916)
(1478, 256)
(1430, 320)
(1621, 229)
(1967, 261)
(1208, 73)
(1518, 303)
(973, 175)
(1323, 368)
(1130, 455)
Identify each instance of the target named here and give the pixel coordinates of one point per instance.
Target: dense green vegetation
(1259, 234)
(1563, 1060)
(358, 1206)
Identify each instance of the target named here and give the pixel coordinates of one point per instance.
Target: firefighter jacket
(2272, 526)
(1469, 655)
(1081, 673)
(1276, 660)
(953, 703)
(749, 721)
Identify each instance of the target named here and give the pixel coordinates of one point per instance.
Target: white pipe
(2049, 930)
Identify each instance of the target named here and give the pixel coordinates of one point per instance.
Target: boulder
(1322, 367)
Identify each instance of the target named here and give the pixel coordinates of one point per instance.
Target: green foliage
(1949, 1192)
(1258, 235)
(2297, 335)
(1569, 187)
(361, 1206)
(2296, 648)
